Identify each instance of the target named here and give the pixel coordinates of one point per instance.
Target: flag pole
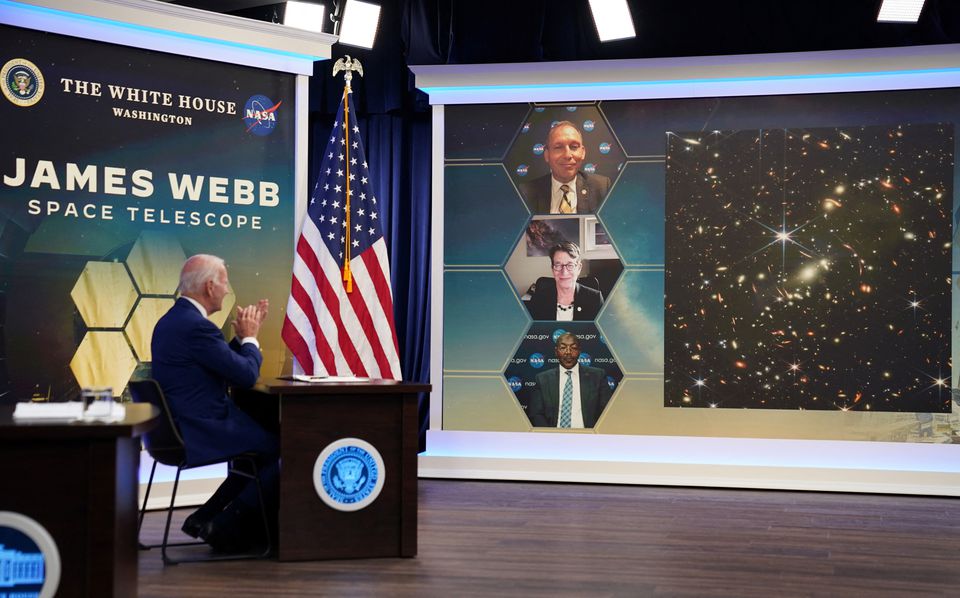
(347, 65)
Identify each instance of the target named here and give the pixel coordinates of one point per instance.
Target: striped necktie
(566, 404)
(565, 206)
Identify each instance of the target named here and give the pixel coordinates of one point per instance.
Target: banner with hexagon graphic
(126, 162)
(760, 267)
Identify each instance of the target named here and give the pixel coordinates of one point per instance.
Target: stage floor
(481, 538)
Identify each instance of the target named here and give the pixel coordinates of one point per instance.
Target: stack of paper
(48, 411)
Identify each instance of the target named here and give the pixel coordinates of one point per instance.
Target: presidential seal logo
(22, 82)
(349, 474)
(29, 557)
(260, 115)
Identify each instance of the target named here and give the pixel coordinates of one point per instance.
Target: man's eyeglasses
(568, 267)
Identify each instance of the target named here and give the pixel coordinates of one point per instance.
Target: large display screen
(755, 267)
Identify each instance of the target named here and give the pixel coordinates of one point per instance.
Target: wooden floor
(538, 539)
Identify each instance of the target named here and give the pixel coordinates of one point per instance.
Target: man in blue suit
(572, 395)
(194, 364)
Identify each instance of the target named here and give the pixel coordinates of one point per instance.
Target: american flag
(339, 319)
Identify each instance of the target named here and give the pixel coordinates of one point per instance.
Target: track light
(304, 15)
(900, 11)
(356, 22)
(613, 19)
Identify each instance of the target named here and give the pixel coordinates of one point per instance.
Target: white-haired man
(194, 365)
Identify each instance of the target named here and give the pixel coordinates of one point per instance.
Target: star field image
(809, 268)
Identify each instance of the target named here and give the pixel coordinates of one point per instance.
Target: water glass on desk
(97, 401)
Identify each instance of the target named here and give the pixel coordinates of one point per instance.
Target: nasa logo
(556, 334)
(522, 170)
(590, 168)
(526, 128)
(585, 359)
(588, 125)
(611, 382)
(260, 115)
(515, 383)
(539, 109)
(554, 123)
(23, 82)
(604, 148)
(349, 474)
(536, 360)
(603, 340)
(538, 149)
(571, 108)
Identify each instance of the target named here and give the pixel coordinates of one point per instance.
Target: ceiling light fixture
(613, 19)
(304, 15)
(900, 11)
(356, 22)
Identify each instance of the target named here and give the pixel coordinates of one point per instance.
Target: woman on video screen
(563, 298)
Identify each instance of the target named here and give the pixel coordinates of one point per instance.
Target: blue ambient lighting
(176, 34)
(469, 88)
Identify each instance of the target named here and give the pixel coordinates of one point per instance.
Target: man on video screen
(567, 189)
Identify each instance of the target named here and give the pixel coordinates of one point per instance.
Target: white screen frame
(887, 467)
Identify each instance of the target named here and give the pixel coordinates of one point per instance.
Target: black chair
(165, 445)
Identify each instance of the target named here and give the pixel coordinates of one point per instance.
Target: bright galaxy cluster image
(809, 268)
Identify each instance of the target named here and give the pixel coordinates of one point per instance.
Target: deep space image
(809, 268)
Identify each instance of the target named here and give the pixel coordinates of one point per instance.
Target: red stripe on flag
(378, 276)
(298, 346)
(328, 296)
(343, 341)
(300, 295)
(369, 330)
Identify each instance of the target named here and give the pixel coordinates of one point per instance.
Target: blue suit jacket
(193, 365)
(545, 398)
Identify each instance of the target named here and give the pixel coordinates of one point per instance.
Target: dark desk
(80, 482)
(382, 413)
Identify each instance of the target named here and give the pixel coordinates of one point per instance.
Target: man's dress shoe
(193, 525)
(224, 537)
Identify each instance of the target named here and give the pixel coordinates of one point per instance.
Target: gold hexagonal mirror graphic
(140, 327)
(104, 294)
(155, 261)
(103, 359)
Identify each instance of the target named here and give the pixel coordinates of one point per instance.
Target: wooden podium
(79, 481)
(313, 415)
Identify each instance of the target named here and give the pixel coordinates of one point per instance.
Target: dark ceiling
(467, 31)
